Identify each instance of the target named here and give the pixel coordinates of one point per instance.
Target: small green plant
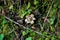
(29, 38)
(36, 2)
(25, 10)
(1, 36)
(28, 6)
(25, 32)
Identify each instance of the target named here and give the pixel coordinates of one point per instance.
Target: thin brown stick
(21, 26)
(49, 10)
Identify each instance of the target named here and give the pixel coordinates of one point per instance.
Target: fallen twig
(21, 26)
(49, 10)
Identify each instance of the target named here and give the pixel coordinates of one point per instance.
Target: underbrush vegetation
(29, 20)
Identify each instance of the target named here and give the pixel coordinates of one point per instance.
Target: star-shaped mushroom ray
(30, 19)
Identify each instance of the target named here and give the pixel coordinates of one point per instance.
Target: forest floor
(29, 20)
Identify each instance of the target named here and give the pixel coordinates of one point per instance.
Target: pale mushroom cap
(26, 20)
(32, 15)
(34, 19)
(27, 16)
(32, 22)
(30, 19)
